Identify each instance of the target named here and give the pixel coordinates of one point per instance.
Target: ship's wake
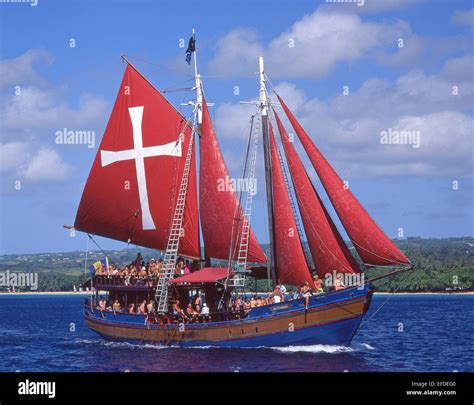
(317, 348)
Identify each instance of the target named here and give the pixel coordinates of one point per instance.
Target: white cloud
(323, 39)
(464, 17)
(310, 48)
(44, 109)
(459, 69)
(237, 52)
(32, 163)
(348, 128)
(30, 118)
(372, 6)
(20, 70)
(47, 165)
(233, 120)
(313, 45)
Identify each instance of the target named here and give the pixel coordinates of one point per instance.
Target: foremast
(171, 253)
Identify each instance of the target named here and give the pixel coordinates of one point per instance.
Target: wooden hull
(332, 318)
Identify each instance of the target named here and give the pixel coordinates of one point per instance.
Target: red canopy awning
(205, 275)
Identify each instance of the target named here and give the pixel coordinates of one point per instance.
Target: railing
(149, 282)
(155, 318)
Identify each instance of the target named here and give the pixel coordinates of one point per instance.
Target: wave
(314, 349)
(318, 348)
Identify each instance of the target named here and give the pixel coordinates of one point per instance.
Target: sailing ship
(143, 189)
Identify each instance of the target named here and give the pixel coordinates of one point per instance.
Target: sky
(350, 71)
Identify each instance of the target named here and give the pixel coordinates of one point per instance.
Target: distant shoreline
(88, 293)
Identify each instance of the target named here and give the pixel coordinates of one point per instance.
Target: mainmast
(264, 110)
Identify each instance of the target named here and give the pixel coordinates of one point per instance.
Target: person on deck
(141, 308)
(205, 312)
(186, 269)
(138, 261)
(197, 302)
(318, 284)
(116, 306)
(277, 293)
(191, 313)
(247, 306)
(237, 304)
(339, 284)
(150, 308)
(102, 304)
(253, 302)
(177, 311)
(178, 269)
(131, 308)
(306, 293)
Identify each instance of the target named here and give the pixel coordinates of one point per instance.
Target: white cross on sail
(139, 153)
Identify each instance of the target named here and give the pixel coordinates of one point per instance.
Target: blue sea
(410, 333)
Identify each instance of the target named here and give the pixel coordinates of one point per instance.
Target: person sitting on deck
(318, 284)
(237, 304)
(206, 313)
(143, 273)
(114, 271)
(177, 311)
(306, 293)
(253, 302)
(277, 295)
(131, 308)
(102, 304)
(205, 309)
(191, 313)
(159, 266)
(116, 306)
(141, 308)
(178, 269)
(186, 269)
(150, 307)
(339, 284)
(197, 302)
(247, 306)
(138, 261)
(152, 268)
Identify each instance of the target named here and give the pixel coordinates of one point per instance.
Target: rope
(102, 250)
(87, 254)
(377, 310)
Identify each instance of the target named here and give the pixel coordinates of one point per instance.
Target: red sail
(290, 259)
(133, 185)
(327, 247)
(373, 246)
(217, 199)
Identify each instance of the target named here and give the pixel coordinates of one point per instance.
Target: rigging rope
(102, 250)
(377, 310)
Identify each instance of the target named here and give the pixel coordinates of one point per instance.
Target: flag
(191, 49)
(97, 265)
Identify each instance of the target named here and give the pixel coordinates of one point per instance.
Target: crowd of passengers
(198, 310)
(140, 272)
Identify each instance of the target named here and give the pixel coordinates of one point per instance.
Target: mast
(197, 105)
(198, 87)
(268, 171)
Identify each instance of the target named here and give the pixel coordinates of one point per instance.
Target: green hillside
(441, 265)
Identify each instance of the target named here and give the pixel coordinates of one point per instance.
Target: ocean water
(410, 333)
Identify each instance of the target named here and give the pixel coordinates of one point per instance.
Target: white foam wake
(314, 349)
